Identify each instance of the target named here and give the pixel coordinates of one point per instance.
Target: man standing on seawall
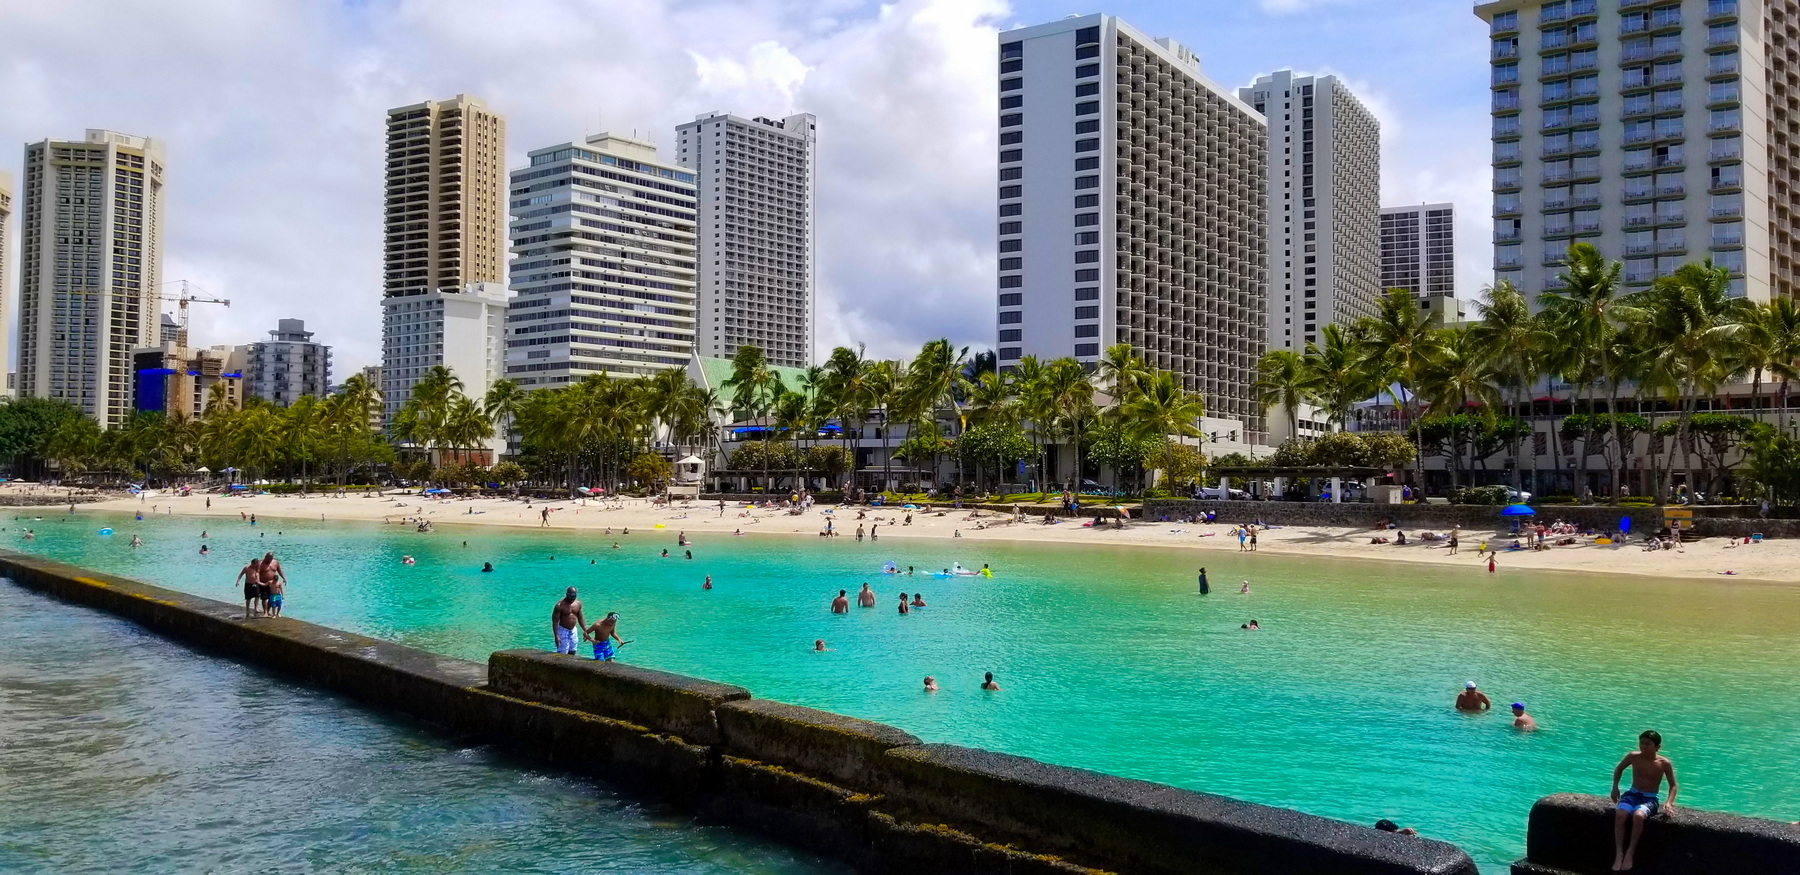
(565, 618)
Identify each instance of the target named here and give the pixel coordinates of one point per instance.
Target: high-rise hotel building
(8, 302)
(90, 267)
(1132, 209)
(1324, 205)
(755, 179)
(603, 243)
(445, 224)
(1418, 254)
(1656, 130)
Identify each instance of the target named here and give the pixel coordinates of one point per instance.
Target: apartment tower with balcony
(755, 181)
(603, 244)
(90, 245)
(289, 365)
(1418, 254)
(1655, 130)
(7, 302)
(445, 227)
(1132, 209)
(1324, 205)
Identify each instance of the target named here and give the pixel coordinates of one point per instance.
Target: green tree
(1283, 380)
(1000, 444)
(651, 469)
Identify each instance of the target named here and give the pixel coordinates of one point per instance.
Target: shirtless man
(1471, 699)
(866, 597)
(603, 634)
(251, 575)
(1521, 720)
(1648, 768)
(930, 684)
(841, 604)
(565, 618)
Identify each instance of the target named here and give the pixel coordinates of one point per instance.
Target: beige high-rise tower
(445, 212)
(90, 266)
(7, 302)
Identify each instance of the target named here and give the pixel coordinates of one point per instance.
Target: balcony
(1727, 241)
(1638, 249)
(1674, 189)
(1635, 53)
(1634, 138)
(1717, 126)
(1586, 200)
(1722, 65)
(1720, 9)
(1639, 221)
(1664, 162)
(1721, 37)
(1554, 176)
(1506, 236)
(1724, 152)
(1633, 26)
(1671, 218)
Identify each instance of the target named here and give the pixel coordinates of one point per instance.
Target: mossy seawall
(869, 794)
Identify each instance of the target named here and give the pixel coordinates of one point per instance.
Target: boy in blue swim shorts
(1640, 803)
(603, 634)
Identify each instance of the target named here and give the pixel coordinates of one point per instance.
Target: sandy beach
(1707, 559)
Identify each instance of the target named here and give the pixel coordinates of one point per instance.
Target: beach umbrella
(202, 470)
(1517, 510)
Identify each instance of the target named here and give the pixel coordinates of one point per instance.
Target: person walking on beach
(251, 575)
(603, 634)
(1454, 532)
(865, 598)
(841, 604)
(1472, 699)
(1640, 803)
(565, 618)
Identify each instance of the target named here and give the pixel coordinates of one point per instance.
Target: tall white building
(461, 329)
(289, 364)
(90, 265)
(1656, 131)
(1418, 251)
(1132, 209)
(1324, 205)
(603, 263)
(8, 302)
(755, 179)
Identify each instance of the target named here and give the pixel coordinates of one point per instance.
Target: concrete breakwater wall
(1708, 522)
(1570, 833)
(862, 792)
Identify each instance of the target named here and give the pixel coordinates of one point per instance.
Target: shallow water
(1109, 658)
(121, 752)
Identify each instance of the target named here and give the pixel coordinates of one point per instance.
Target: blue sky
(272, 112)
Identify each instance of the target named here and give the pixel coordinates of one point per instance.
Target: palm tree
(1034, 406)
(1455, 375)
(754, 386)
(1121, 372)
(1160, 406)
(1341, 374)
(1585, 314)
(881, 381)
(1510, 337)
(847, 396)
(1283, 380)
(501, 404)
(1395, 342)
(936, 377)
(990, 399)
(1689, 316)
(1069, 396)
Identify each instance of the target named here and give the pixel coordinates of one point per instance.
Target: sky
(273, 112)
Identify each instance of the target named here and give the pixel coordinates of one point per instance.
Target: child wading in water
(1648, 768)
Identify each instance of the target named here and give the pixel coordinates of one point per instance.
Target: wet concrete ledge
(1571, 834)
(862, 792)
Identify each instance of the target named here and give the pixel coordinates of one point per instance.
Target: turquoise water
(1109, 659)
(125, 753)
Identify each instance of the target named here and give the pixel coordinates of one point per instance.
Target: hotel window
(1087, 312)
(1087, 349)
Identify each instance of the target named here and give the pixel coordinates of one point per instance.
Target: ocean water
(122, 752)
(1107, 656)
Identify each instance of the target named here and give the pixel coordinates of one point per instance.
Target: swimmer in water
(866, 597)
(708, 583)
(690, 553)
(989, 685)
(904, 607)
(819, 646)
(665, 554)
(918, 600)
(1472, 699)
(487, 566)
(1521, 720)
(841, 604)
(203, 550)
(407, 560)
(930, 684)
(1245, 588)
(136, 542)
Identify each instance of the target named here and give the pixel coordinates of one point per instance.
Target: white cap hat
(1470, 685)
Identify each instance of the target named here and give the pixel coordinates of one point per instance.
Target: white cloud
(273, 117)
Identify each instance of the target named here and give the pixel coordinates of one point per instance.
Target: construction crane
(187, 297)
